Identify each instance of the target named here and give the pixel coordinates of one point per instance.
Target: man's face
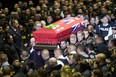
(32, 42)
(38, 26)
(57, 53)
(40, 1)
(2, 21)
(19, 10)
(6, 10)
(25, 4)
(104, 20)
(96, 20)
(7, 28)
(44, 55)
(80, 37)
(43, 23)
(63, 1)
(10, 39)
(78, 6)
(49, 19)
(31, 3)
(20, 4)
(27, 11)
(16, 24)
(31, 22)
(33, 11)
(73, 40)
(86, 34)
(21, 28)
(66, 3)
(63, 45)
(1, 29)
(95, 6)
(56, 5)
(90, 28)
(103, 11)
(38, 8)
(92, 21)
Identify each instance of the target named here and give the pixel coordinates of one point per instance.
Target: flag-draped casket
(57, 31)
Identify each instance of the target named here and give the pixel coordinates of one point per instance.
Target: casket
(57, 31)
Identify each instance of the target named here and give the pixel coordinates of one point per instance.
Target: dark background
(10, 3)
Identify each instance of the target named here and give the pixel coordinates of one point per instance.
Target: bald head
(73, 38)
(24, 55)
(52, 61)
(3, 57)
(57, 53)
(71, 48)
(45, 54)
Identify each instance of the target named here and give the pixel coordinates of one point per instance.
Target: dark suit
(17, 37)
(36, 56)
(12, 51)
(19, 74)
(2, 37)
(102, 47)
(87, 73)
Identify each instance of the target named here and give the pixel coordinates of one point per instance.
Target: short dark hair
(16, 65)
(90, 46)
(63, 41)
(42, 72)
(81, 47)
(6, 70)
(113, 41)
(56, 73)
(97, 72)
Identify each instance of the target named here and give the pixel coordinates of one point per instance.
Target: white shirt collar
(73, 52)
(61, 57)
(105, 24)
(14, 29)
(91, 51)
(84, 54)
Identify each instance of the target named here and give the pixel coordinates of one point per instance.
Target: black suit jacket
(17, 37)
(36, 56)
(19, 74)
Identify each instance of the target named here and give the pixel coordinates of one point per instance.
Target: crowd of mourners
(90, 52)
